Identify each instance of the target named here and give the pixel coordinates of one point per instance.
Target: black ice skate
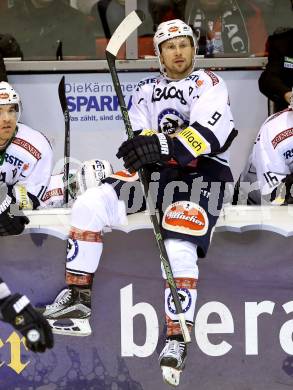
(172, 361)
(70, 312)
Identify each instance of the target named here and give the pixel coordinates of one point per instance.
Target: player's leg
(183, 258)
(106, 205)
(93, 210)
(187, 225)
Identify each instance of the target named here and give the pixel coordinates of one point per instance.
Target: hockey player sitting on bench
(88, 175)
(25, 164)
(191, 130)
(268, 176)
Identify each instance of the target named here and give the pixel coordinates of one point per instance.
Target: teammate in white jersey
(184, 129)
(25, 164)
(25, 170)
(268, 176)
(89, 174)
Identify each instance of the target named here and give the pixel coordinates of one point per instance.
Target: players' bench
(56, 222)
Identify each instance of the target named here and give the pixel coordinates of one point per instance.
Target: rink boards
(243, 334)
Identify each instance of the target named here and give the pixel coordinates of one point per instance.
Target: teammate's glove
(10, 224)
(143, 150)
(17, 311)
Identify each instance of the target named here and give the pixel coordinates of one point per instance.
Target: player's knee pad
(96, 208)
(182, 255)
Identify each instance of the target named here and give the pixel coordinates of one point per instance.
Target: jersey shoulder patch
(28, 147)
(214, 78)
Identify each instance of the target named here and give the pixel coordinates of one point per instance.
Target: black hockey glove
(143, 150)
(10, 224)
(17, 311)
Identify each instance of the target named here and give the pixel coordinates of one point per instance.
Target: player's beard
(6, 134)
(180, 70)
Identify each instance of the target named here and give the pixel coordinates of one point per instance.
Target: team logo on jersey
(168, 93)
(192, 140)
(72, 249)
(282, 136)
(185, 299)
(186, 218)
(170, 121)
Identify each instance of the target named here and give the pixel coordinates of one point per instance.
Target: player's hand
(10, 224)
(17, 311)
(143, 150)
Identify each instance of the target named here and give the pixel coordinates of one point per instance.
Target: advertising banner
(243, 334)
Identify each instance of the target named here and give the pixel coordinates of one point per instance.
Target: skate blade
(76, 327)
(171, 376)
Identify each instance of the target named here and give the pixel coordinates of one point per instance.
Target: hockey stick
(126, 27)
(63, 102)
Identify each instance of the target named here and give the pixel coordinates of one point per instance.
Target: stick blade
(61, 93)
(125, 28)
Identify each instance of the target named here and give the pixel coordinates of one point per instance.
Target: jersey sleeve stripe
(193, 141)
(210, 137)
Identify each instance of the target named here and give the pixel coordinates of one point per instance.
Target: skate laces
(63, 297)
(174, 349)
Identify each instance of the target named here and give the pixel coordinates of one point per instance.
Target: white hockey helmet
(172, 29)
(9, 96)
(91, 172)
